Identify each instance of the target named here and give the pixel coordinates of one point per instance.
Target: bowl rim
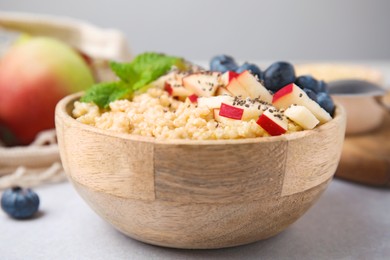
(62, 111)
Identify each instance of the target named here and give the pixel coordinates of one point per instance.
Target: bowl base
(200, 226)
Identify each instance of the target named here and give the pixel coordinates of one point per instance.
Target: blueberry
(19, 203)
(308, 82)
(278, 75)
(223, 63)
(311, 94)
(326, 102)
(254, 69)
(322, 86)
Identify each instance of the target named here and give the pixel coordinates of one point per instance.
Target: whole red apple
(34, 76)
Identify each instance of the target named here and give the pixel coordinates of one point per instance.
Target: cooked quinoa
(158, 115)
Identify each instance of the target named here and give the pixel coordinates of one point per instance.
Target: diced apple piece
(244, 109)
(223, 91)
(251, 112)
(292, 94)
(176, 90)
(160, 82)
(253, 87)
(253, 108)
(214, 102)
(227, 77)
(225, 120)
(179, 75)
(193, 98)
(203, 84)
(273, 122)
(236, 89)
(168, 88)
(302, 116)
(231, 111)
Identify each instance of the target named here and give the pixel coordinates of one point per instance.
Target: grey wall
(246, 29)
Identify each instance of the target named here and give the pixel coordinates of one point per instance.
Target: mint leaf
(150, 66)
(103, 93)
(124, 71)
(136, 75)
(148, 59)
(148, 76)
(151, 60)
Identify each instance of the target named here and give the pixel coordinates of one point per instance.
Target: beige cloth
(99, 43)
(32, 165)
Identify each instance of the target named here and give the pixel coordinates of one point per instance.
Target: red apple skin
(292, 94)
(283, 91)
(25, 118)
(228, 76)
(33, 78)
(168, 88)
(231, 111)
(270, 126)
(193, 98)
(232, 74)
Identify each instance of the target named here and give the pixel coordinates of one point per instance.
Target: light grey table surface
(349, 221)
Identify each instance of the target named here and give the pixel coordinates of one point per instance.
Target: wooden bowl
(198, 194)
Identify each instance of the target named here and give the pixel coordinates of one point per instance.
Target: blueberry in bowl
(223, 63)
(253, 68)
(278, 75)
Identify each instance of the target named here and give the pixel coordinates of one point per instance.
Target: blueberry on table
(278, 75)
(223, 63)
(326, 102)
(254, 69)
(20, 203)
(311, 94)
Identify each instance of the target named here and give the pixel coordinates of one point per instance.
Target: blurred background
(353, 33)
(246, 29)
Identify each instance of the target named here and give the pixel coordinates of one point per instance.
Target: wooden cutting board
(366, 158)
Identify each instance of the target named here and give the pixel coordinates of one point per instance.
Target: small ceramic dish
(198, 194)
(365, 112)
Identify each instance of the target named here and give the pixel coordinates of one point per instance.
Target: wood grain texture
(366, 158)
(318, 156)
(198, 194)
(201, 226)
(124, 168)
(219, 173)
